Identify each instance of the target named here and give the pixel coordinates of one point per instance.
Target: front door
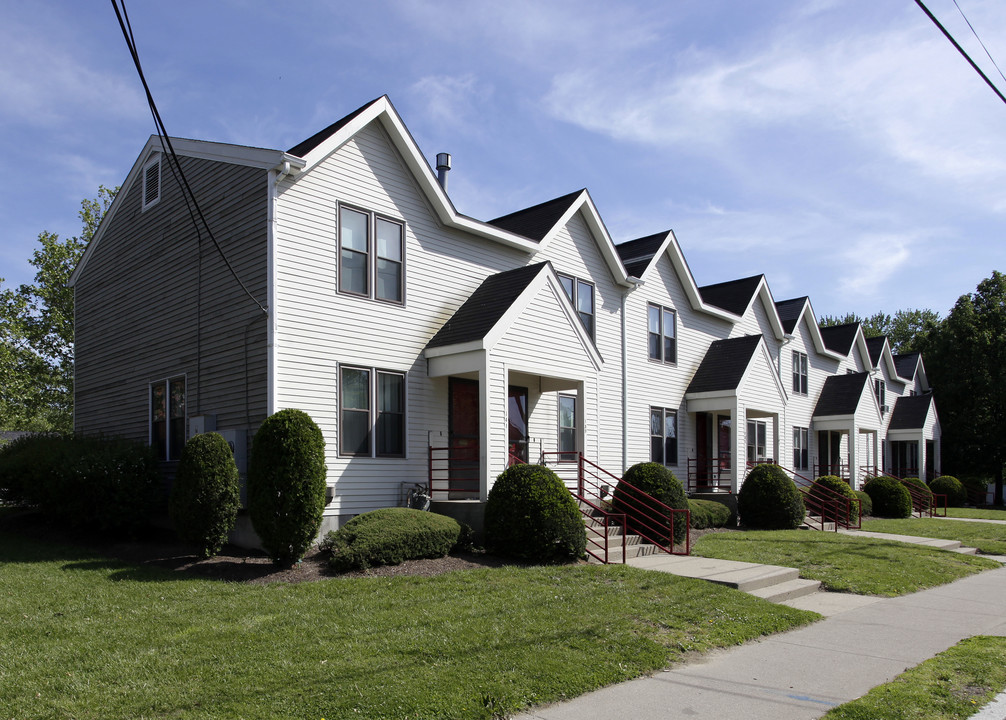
(703, 447)
(517, 422)
(463, 429)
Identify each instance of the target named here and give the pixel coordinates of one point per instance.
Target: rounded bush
(286, 484)
(769, 500)
(825, 489)
(918, 488)
(205, 497)
(890, 498)
(660, 483)
(950, 486)
(708, 514)
(531, 515)
(865, 503)
(390, 536)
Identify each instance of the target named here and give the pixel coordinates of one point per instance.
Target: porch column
(853, 457)
(485, 382)
(581, 422)
(777, 443)
(937, 457)
(738, 440)
(876, 448)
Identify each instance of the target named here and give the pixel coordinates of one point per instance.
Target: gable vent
(152, 183)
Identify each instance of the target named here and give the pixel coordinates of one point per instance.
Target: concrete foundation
(471, 512)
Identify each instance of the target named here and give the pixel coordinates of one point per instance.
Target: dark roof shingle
(535, 222)
(484, 307)
(734, 296)
(907, 364)
(304, 147)
(724, 364)
(839, 338)
(910, 412)
(875, 345)
(789, 312)
(637, 254)
(841, 394)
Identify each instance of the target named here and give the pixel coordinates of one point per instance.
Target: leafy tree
(966, 362)
(903, 330)
(36, 331)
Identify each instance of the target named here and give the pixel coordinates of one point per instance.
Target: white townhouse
(337, 277)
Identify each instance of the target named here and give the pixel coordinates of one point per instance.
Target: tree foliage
(36, 331)
(904, 330)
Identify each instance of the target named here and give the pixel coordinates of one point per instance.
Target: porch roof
(724, 365)
(911, 412)
(841, 394)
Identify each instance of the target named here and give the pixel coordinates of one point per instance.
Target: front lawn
(86, 637)
(989, 538)
(845, 563)
(954, 684)
(977, 513)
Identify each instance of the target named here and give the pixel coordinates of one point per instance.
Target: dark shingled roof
(910, 412)
(875, 346)
(484, 308)
(839, 338)
(841, 394)
(789, 312)
(535, 222)
(906, 365)
(733, 296)
(303, 148)
(637, 254)
(724, 364)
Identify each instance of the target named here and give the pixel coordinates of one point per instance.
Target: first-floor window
(663, 436)
(167, 417)
(757, 440)
(371, 412)
(567, 428)
(801, 448)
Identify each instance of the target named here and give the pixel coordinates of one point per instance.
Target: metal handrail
(610, 520)
(922, 504)
(830, 506)
(441, 467)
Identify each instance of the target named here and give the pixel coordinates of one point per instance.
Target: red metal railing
(650, 519)
(599, 524)
(924, 504)
(839, 470)
(709, 475)
(454, 470)
(825, 505)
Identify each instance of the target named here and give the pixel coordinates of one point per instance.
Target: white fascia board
(815, 332)
(833, 422)
(456, 349)
(765, 295)
(455, 364)
(920, 372)
(860, 343)
(709, 402)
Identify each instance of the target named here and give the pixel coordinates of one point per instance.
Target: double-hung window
(660, 333)
(757, 440)
(371, 412)
(663, 436)
(567, 428)
(371, 255)
(880, 390)
(167, 417)
(581, 294)
(801, 448)
(799, 372)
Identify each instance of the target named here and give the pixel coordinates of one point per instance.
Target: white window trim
(372, 257)
(800, 373)
(661, 310)
(373, 412)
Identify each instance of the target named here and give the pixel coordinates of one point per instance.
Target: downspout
(636, 283)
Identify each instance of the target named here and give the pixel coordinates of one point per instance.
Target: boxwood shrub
(390, 536)
(659, 482)
(950, 486)
(532, 516)
(708, 514)
(890, 498)
(286, 484)
(205, 497)
(825, 489)
(865, 503)
(769, 500)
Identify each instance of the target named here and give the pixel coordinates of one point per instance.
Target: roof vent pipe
(443, 167)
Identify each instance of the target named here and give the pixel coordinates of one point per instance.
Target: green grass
(954, 684)
(845, 563)
(989, 538)
(977, 513)
(86, 637)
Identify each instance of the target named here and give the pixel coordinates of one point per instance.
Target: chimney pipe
(443, 167)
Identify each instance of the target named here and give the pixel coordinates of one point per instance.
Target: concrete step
(787, 590)
(636, 550)
(965, 550)
(813, 522)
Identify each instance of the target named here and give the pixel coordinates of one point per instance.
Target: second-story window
(880, 390)
(371, 255)
(660, 333)
(799, 372)
(581, 294)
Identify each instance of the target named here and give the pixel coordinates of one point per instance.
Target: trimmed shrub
(286, 484)
(769, 500)
(708, 514)
(205, 496)
(917, 487)
(890, 498)
(865, 502)
(825, 488)
(660, 483)
(390, 536)
(950, 486)
(107, 485)
(531, 515)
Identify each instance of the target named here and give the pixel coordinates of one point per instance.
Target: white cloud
(451, 101)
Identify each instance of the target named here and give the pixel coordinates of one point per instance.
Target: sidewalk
(801, 674)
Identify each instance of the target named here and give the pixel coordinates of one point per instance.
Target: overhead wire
(975, 33)
(191, 202)
(961, 50)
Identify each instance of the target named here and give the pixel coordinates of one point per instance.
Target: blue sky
(842, 148)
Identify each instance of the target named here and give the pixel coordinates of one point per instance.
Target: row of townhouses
(340, 279)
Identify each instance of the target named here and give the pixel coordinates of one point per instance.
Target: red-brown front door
(463, 428)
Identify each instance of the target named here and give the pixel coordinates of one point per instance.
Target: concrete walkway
(800, 674)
